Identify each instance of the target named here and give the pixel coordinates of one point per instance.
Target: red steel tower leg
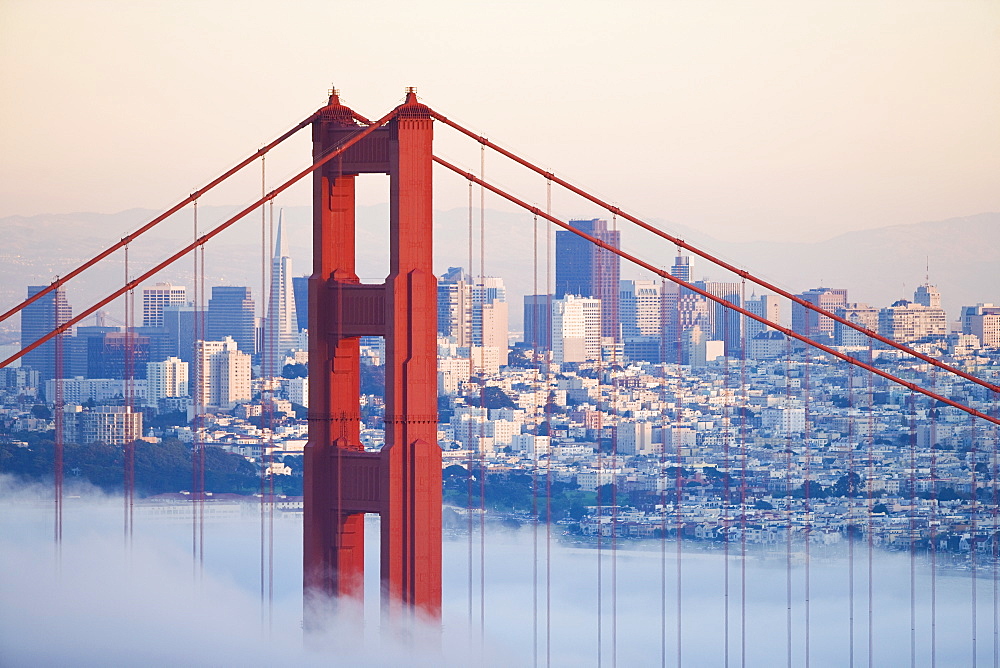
(342, 481)
(411, 459)
(334, 537)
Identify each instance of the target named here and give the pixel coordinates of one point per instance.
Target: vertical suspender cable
(482, 402)
(534, 446)
(870, 436)
(911, 400)
(743, 478)
(614, 464)
(973, 543)
(678, 488)
(726, 499)
(807, 485)
(128, 373)
(661, 478)
(788, 503)
(600, 528)
(466, 336)
(201, 384)
(202, 326)
(993, 533)
(851, 527)
(57, 466)
(548, 431)
(932, 440)
(264, 612)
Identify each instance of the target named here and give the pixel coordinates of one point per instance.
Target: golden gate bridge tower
(402, 483)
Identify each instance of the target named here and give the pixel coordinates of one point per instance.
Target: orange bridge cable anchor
(59, 281)
(739, 309)
(131, 285)
(711, 258)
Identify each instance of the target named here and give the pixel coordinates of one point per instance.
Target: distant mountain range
(877, 266)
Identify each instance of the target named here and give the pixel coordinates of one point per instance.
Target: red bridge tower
(402, 483)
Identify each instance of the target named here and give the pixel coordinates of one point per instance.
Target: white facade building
(168, 378)
(576, 329)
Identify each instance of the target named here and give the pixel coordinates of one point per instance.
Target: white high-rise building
(168, 378)
(222, 374)
(281, 326)
(576, 329)
(155, 298)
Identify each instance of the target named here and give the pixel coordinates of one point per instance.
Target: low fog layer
(106, 605)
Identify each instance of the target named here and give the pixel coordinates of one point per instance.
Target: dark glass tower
(590, 271)
(37, 320)
(231, 313)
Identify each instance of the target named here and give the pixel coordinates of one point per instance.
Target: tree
(296, 370)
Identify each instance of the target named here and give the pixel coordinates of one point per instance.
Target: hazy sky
(748, 119)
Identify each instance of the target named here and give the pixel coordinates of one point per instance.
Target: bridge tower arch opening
(343, 482)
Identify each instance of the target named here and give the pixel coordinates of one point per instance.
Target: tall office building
(766, 306)
(723, 323)
(576, 329)
(300, 288)
(587, 270)
(682, 268)
(37, 320)
(117, 355)
(808, 322)
(538, 321)
(158, 297)
(281, 332)
(640, 305)
(231, 313)
(183, 324)
(454, 308)
(222, 374)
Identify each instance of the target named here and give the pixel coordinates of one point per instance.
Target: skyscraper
(37, 320)
(766, 306)
(281, 328)
(724, 324)
(300, 288)
(231, 313)
(156, 298)
(590, 271)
